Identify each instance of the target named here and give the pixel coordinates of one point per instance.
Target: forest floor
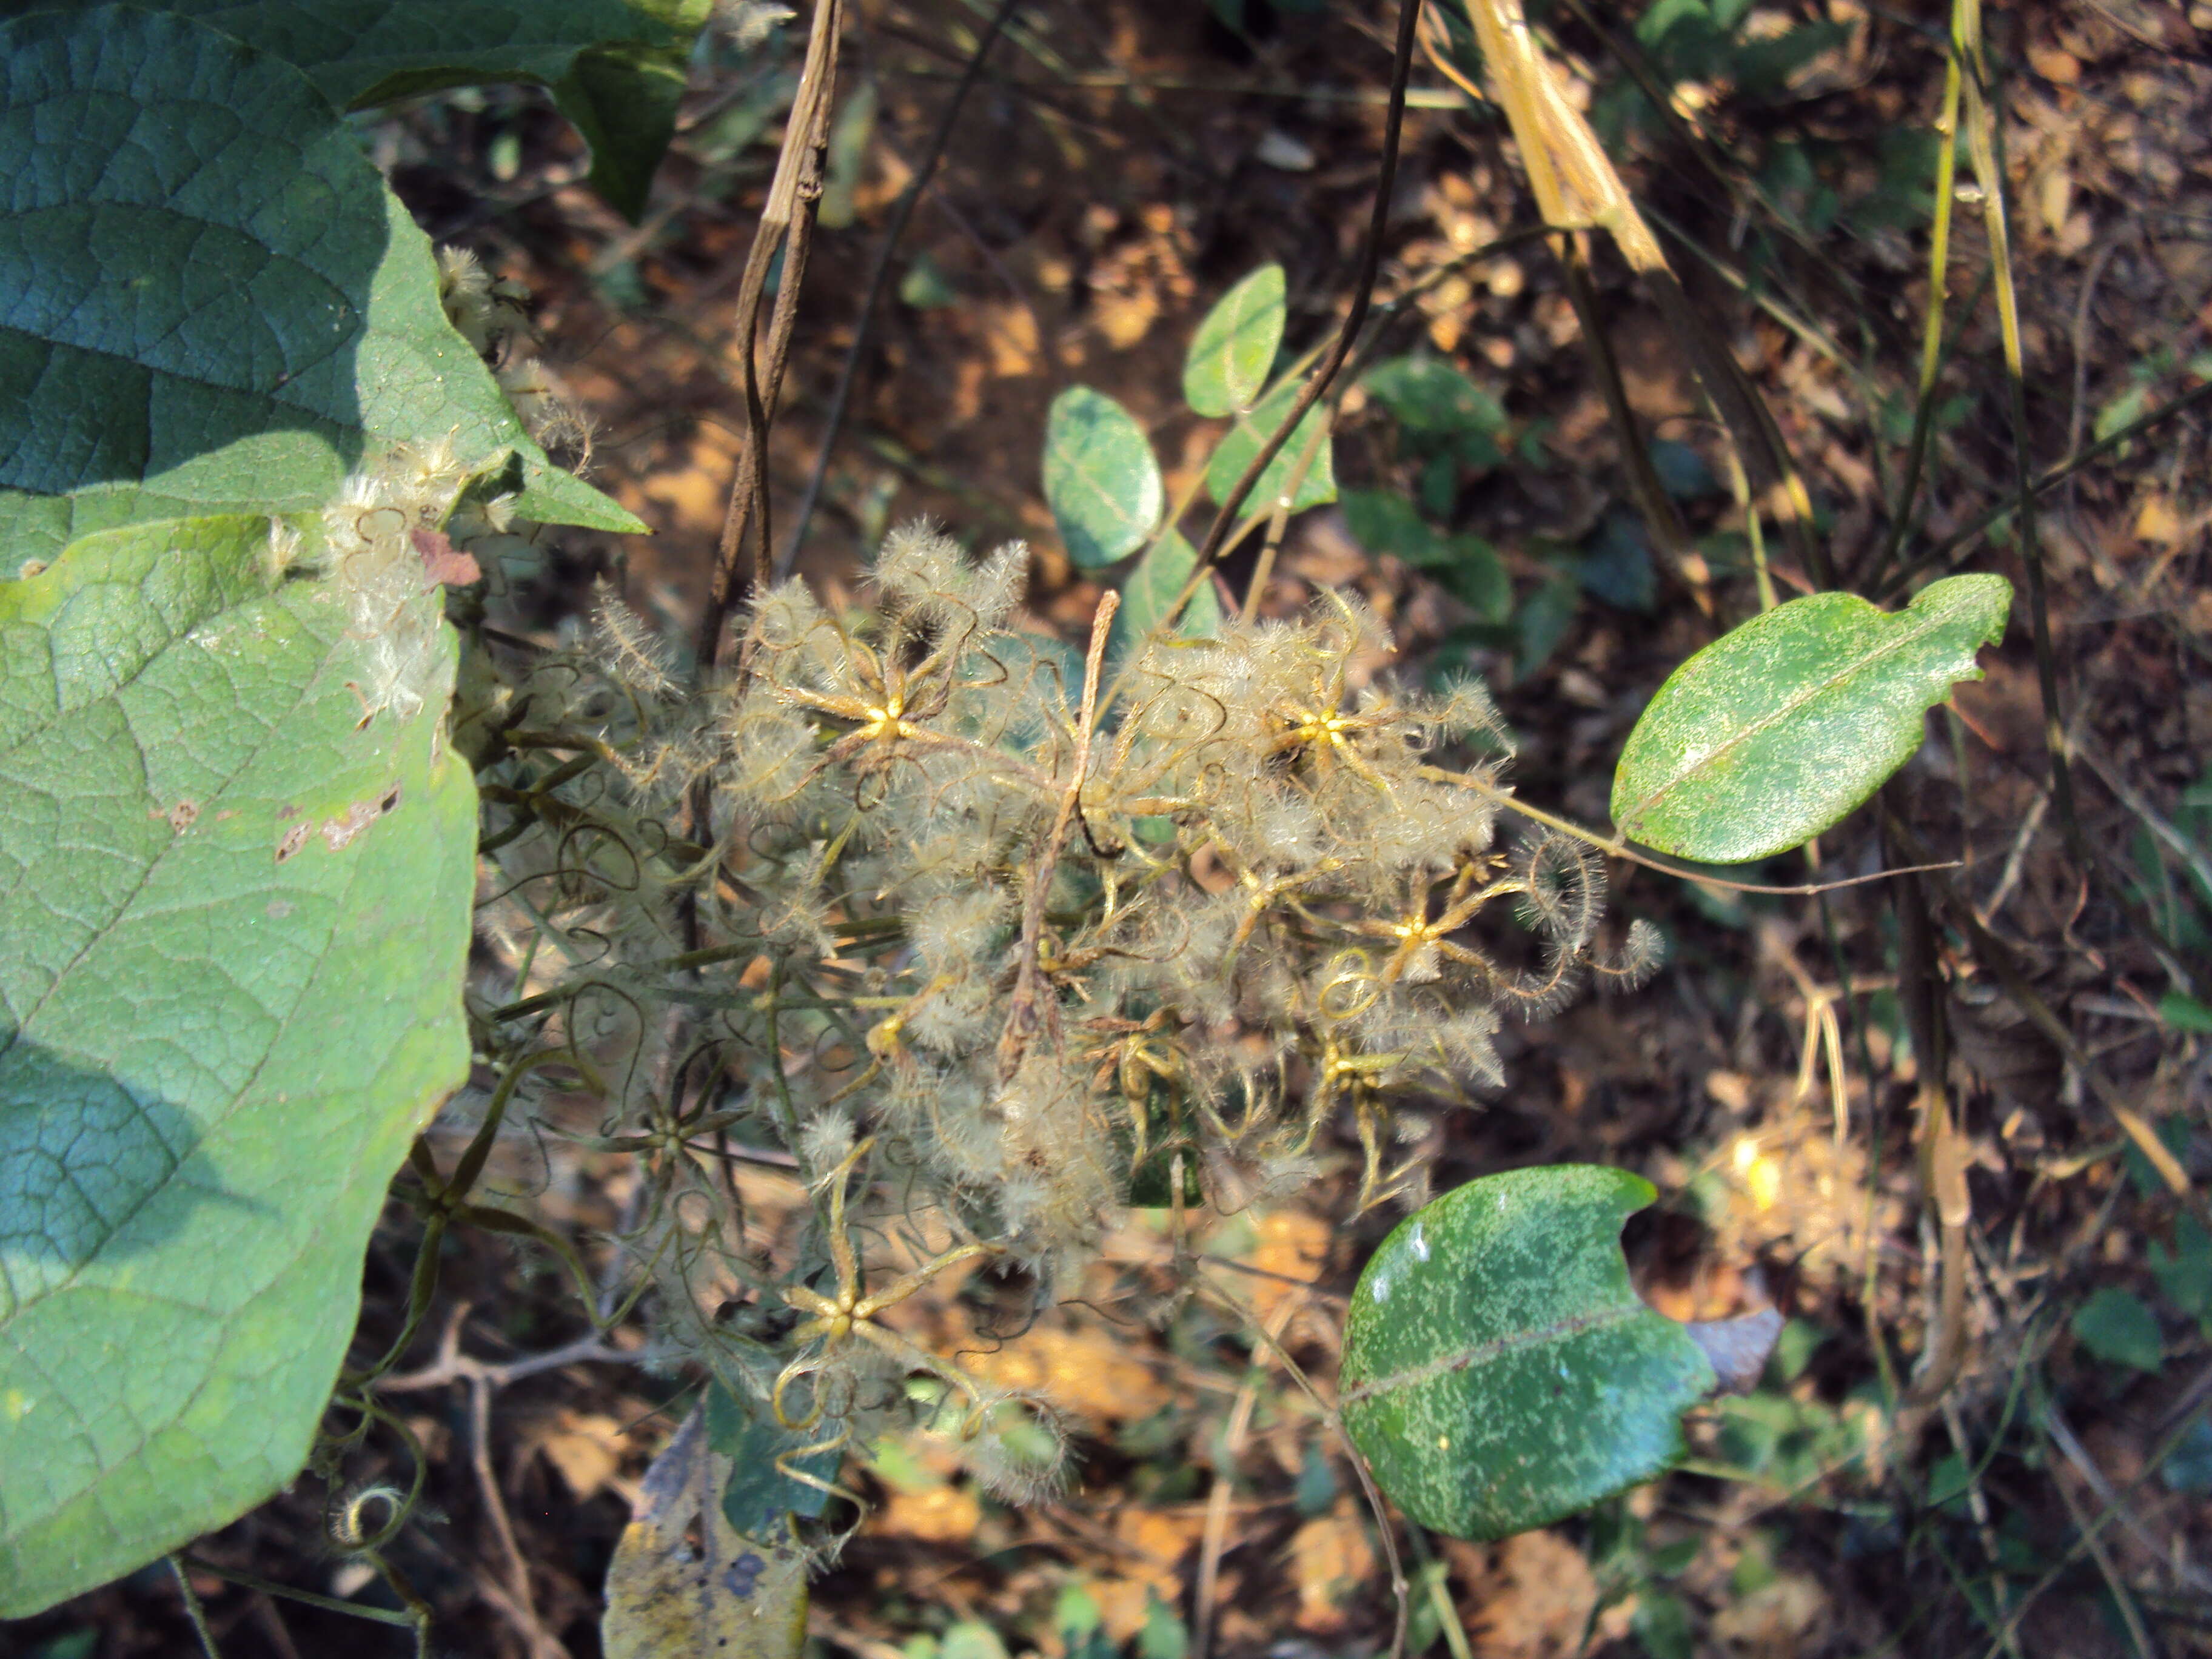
(1119, 165)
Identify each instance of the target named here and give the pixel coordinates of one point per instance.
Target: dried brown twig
(787, 225)
(901, 211)
(512, 1599)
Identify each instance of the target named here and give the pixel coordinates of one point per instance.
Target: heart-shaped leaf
(616, 68)
(209, 300)
(234, 919)
(1500, 1370)
(1774, 732)
(1152, 588)
(1100, 478)
(1234, 346)
(1235, 453)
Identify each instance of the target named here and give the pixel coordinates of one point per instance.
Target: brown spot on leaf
(294, 839)
(444, 563)
(341, 829)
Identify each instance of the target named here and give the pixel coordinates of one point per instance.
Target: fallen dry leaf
(1158, 1539)
(1527, 1597)
(739, 1598)
(1293, 1244)
(1775, 1621)
(587, 1449)
(1330, 1561)
(935, 1515)
(1085, 1372)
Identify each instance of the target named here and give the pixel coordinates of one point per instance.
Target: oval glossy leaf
(1433, 399)
(1387, 521)
(209, 300)
(1234, 346)
(232, 925)
(687, 1583)
(1235, 453)
(1100, 478)
(1500, 1370)
(616, 68)
(1774, 732)
(1153, 586)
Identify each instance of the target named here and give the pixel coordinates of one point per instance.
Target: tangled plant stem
(984, 936)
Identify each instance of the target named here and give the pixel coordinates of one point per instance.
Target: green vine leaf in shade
(1774, 732)
(1234, 346)
(1235, 453)
(1434, 399)
(1152, 587)
(1100, 478)
(234, 919)
(615, 68)
(209, 300)
(1500, 1370)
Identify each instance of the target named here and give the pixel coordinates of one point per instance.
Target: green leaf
(2116, 1326)
(1661, 1623)
(2188, 1467)
(2184, 1273)
(1152, 588)
(616, 68)
(1789, 1442)
(972, 1639)
(1775, 730)
(1100, 478)
(850, 137)
(1235, 453)
(1543, 622)
(759, 1495)
(1384, 521)
(1164, 1635)
(1682, 471)
(926, 287)
(1431, 398)
(1234, 346)
(1479, 579)
(1500, 1370)
(1615, 565)
(211, 302)
(234, 919)
(2185, 1013)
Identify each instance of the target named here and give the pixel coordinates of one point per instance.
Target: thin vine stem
(901, 211)
(1363, 294)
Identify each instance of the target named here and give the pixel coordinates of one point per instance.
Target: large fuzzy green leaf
(209, 300)
(616, 68)
(1775, 730)
(1499, 1370)
(233, 923)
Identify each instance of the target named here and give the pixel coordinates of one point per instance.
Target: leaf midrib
(1905, 636)
(1496, 1348)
